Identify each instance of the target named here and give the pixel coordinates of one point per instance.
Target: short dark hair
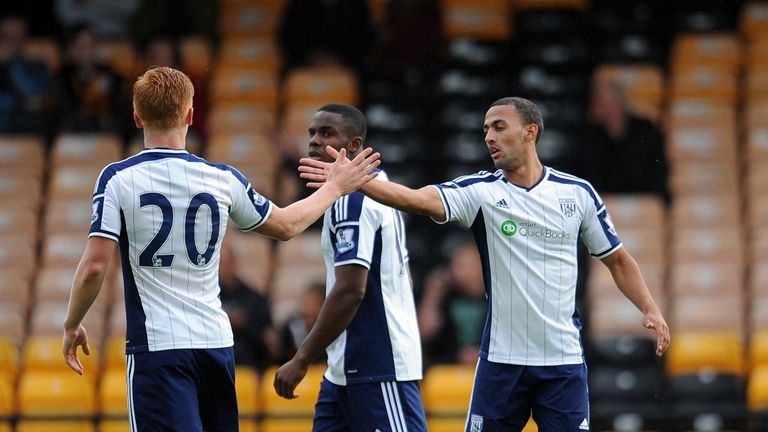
(529, 112)
(354, 120)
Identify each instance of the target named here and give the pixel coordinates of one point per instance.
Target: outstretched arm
(85, 287)
(337, 313)
(425, 201)
(344, 177)
(628, 278)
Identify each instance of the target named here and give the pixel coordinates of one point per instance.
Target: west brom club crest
(568, 206)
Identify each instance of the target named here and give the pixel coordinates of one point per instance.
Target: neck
(172, 139)
(527, 173)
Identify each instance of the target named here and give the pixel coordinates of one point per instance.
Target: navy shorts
(504, 396)
(182, 390)
(393, 406)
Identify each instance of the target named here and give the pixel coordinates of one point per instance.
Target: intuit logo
(529, 229)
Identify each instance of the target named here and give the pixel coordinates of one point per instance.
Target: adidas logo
(502, 204)
(584, 425)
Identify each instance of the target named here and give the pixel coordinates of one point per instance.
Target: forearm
(424, 201)
(628, 278)
(337, 313)
(297, 217)
(85, 288)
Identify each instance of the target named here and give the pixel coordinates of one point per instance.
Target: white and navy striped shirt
(527, 242)
(382, 341)
(168, 211)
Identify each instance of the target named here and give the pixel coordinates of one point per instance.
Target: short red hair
(162, 97)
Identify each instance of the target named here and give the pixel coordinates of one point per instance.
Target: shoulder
(479, 178)
(584, 186)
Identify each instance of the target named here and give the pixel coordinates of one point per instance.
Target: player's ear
(354, 145)
(189, 117)
(137, 120)
(531, 131)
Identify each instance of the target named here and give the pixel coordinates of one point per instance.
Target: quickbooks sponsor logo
(508, 227)
(529, 229)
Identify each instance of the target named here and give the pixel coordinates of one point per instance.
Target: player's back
(170, 210)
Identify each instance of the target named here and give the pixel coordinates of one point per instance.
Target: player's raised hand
(316, 171)
(71, 340)
(288, 377)
(654, 321)
(348, 175)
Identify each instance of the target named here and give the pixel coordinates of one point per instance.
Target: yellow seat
(253, 87)
(718, 50)
(62, 393)
(758, 348)
(19, 184)
(250, 19)
(9, 357)
(92, 149)
(549, 4)
(694, 352)
(196, 55)
(285, 425)
(55, 426)
(301, 408)
(115, 425)
(113, 395)
(22, 151)
(757, 389)
(447, 389)
(237, 118)
(247, 387)
(753, 21)
(247, 425)
(114, 352)
(64, 249)
(642, 84)
(704, 177)
(258, 53)
(707, 83)
(5, 426)
(43, 354)
(7, 408)
(121, 56)
(73, 181)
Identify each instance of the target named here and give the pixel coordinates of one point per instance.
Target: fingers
(340, 155)
(315, 185)
(283, 389)
(311, 169)
(86, 348)
(332, 152)
(70, 358)
(313, 177)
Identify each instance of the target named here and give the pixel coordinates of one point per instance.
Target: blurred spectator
(162, 51)
(249, 314)
(107, 19)
(318, 32)
(298, 325)
(90, 96)
(627, 152)
(24, 83)
(453, 308)
(39, 15)
(412, 38)
(175, 18)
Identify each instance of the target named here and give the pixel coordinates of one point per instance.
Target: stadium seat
(7, 408)
(54, 283)
(15, 287)
(704, 83)
(22, 151)
(60, 393)
(602, 286)
(708, 245)
(635, 211)
(247, 387)
(73, 181)
(240, 149)
(240, 118)
(20, 182)
(705, 211)
(257, 53)
(756, 114)
(642, 84)
(5, 426)
(114, 351)
(757, 389)
(645, 244)
(697, 113)
(253, 87)
(248, 19)
(47, 317)
(68, 216)
(718, 352)
(42, 358)
(113, 399)
(114, 425)
(719, 50)
(283, 415)
(707, 312)
(446, 390)
(758, 344)
(704, 143)
(12, 324)
(9, 357)
(196, 53)
(17, 252)
(254, 258)
(18, 219)
(753, 20)
(615, 317)
(121, 56)
(298, 265)
(704, 178)
(487, 20)
(320, 86)
(64, 250)
(706, 278)
(55, 426)
(92, 149)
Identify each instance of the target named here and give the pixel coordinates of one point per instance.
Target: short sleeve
(105, 216)
(459, 198)
(597, 230)
(353, 230)
(249, 208)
